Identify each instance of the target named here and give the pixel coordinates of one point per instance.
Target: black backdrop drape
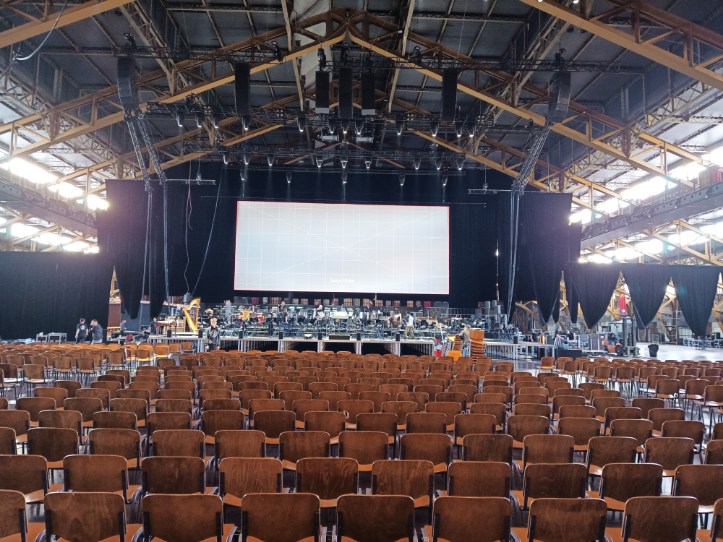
(594, 286)
(695, 288)
(50, 292)
(646, 284)
(477, 229)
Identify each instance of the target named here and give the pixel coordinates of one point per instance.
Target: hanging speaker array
(449, 94)
(242, 85)
(346, 107)
(322, 92)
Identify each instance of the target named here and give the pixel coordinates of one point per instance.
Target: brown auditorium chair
(660, 519)
(85, 516)
(14, 524)
(185, 518)
(494, 447)
(280, 517)
(451, 519)
(571, 520)
(391, 515)
(479, 479)
(621, 481)
(240, 476)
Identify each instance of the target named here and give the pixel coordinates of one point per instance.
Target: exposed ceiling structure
(640, 148)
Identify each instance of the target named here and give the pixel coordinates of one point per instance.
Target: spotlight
(216, 120)
(359, 126)
(246, 121)
(242, 174)
(471, 132)
(438, 163)
(301, 121)
(319, 161)
(434, 127)
(460, 163)
(368, 163)
(224, 155)
(344, 126)
(402, 179)
(458, 128)
(343, 177)
(199, 120)
(246, 159)
(289, 176)
(179, 118)
(444, 182)
(417, 162)
(270, 160)
(400, 126)
(344, 161)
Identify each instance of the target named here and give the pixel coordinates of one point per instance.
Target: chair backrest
(95, 473)
(364, 446)
(240, 476)
(179, 442)
(53, 443)
(8, 444)
(327, 477)
(559, 480)
(670, 452)
(280, 517)
(479, 479)
(704, 482)
(621, 481)
(84, 516)
(183, 518)
(641, 430)
(426, 422)
(217, 420)
(604, 450)
(391, 515)
(27, 474)
(295, 445)
(494, 447)
(451, 519)
(173, 475)
(239, 443)
(660, 519)
(555, 448)
(68, 419)
(434, 447)
(571, 520)
(411, 477)
(519, 426)
(123, 442)
(12, 513)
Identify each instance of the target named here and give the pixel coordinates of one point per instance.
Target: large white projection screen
(312, 247)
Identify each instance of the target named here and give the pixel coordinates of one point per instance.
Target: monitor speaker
(559, 96)
(398, 337)
(358, 336)
(240, 333)
(242, 85)
(322, 92)
(200, 334)
(127, 87)
(346, 108)
(449, 94)
(367, 94)
(281, 335)
(320, 335)
(169, 332)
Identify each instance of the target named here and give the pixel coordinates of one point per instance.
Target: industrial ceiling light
(343, 177)
(344, 161)
(242, 174)
(246, 159)
(319, 161)
(460, 162)
(434, 127)
(246, 122)
(402, 179)
(368, 163)
(444, 182)
(301, 121)
(179, 118)
(344, 126)
(438, 163)
(417, 162)
(458, 128)
(199, 120)
(270, 160)
(216, 120)
(289, 176)
(224, 155)
(359, 126)
(400, 126)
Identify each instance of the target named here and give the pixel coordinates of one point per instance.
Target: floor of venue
(234, 424)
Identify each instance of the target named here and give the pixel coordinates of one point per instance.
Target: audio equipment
(346, 108)
(449, 94)
(242, 85)
(127, 84)
(367, 94)
(322, 92)
(339, 337)
(559, 96)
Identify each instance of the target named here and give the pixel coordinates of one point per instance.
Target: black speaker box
(358, 336)
(169, 332)
(367, 94)
(127, 87)
(322, 92)
(449, 94)
(559, 96)
(320, 335)
(281, 335)
(339, 337)
(346, 108)
(242, 85)
(200, 334)
(398, 337)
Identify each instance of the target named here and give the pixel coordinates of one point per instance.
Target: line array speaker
(367, 94)
(559, 96)
(322, 92)
(346, 108)
(449, 94)
(242, 84)
(127, 88)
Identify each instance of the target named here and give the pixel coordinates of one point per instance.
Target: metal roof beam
(68, 17)
(691, 33)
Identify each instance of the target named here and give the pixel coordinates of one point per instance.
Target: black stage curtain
(594, 286)
(50, 292)
(695, 289)
(122, 235)
(573, 303)
(646, 284)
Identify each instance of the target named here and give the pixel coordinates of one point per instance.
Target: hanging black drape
(695, 288)
(572, 300)
(646, 284)
(50, 292)
(594, 286)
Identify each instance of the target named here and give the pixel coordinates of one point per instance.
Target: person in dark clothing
(96, 332)
(213, 335)
(81, 331)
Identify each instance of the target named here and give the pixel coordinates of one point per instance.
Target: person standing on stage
(213, 335)
(228, 312)
(81, 331)
(409, 326)
(466, 340)
(96, 332)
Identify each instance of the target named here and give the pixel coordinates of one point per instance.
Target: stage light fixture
(359, 126)
(417, 162)
(344, 161)
(319, 161)
(460, 162)
(402, 180)
(246, 122)
(199, 120)
(444, 182)
(179, 118)
(438, 163)
(301, 122)
(224, 155)
(246, 159)
(289, 177)
(400, 126)
(344, 126)
(270, 160)
(434, 127)
(343, 177)
(458, 128)
(216, 120)
(368, 163)
(242, 175)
